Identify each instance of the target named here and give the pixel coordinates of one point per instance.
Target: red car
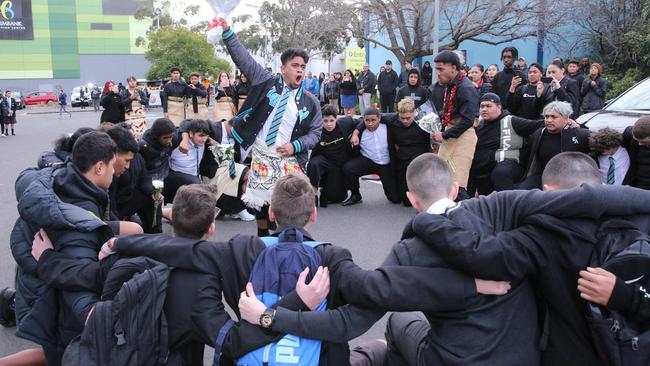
(41, 98)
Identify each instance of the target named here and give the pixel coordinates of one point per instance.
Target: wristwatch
(266, 319)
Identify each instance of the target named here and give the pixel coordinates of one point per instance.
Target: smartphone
(547, 79)
(519, 74)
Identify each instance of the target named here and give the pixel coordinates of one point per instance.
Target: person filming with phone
(528, 100)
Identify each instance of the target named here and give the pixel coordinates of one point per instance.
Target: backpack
(625, 251)
(274, 275)
(129, 329)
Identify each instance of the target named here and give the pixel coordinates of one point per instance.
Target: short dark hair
(195, 74)
(571, 170)
(372, 111)
(198, 126)
(193, 211)
(513, 50)
(292, 201)
(291, 53)
(330, 110)
(537, 66)
(641, 129)
(448, 57)
(66, 143)
(162, 126)
(605, 139)
(123, 139)
(558, 63)
(131, 78)
(92, 148)
(574, 62)
(429, 178)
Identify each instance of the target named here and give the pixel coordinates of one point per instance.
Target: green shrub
(617, 84)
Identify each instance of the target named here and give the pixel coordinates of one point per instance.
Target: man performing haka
(279, 122)
(173, 97)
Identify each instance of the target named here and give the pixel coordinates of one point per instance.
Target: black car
(622, 111)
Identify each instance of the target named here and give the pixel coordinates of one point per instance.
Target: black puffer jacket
(156, 156)
(68, 206)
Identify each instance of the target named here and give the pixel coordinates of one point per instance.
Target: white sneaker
(244, 216)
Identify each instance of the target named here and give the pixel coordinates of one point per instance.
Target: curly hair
(605, 139)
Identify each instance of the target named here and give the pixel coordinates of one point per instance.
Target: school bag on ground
(625, 251)
(274, 275)
(129, 329)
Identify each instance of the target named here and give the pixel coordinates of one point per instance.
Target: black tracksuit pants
(174, 181)
(325, 173)
(387, 101)
(142, 205)
(360, 166)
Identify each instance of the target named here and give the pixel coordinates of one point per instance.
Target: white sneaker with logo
(244, 216)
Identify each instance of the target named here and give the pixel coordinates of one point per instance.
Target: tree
(169, 47)
(317, 26)
(164, 18)
(405, 27)
(617, 33)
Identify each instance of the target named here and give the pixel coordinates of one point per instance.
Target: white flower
(158, 184)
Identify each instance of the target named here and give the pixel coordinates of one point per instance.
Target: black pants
(52, 356)
(174, 181)
(360, 166)
(325, 173)
(506, 175)
(387, 101)
(481, 182)
(406, 335)
(143, 206)
(402, 186)
(230, 205)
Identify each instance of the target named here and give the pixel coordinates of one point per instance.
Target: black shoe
(323, 199)
(353, 200)
(8, 307)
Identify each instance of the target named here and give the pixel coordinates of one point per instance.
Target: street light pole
(436, 31)
(436, 27)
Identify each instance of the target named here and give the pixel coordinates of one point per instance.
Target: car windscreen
(637, 98)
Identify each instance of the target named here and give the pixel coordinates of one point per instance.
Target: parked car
(41, 98)
(18, 97)
(77, 101)
(621, 112)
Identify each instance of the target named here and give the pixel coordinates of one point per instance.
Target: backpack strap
(219, 342)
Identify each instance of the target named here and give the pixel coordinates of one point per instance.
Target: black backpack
(625, 251)
(128, 327)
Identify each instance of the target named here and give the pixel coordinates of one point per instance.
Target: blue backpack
(274, 275)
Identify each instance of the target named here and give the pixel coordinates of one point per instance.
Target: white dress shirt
(621, 165)
(288, 121)
(187, 163)
(374, 145)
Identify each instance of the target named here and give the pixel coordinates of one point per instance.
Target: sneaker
(8, 307)
(244, 216)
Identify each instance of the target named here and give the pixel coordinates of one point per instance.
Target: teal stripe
(236, 136)
(228, 34)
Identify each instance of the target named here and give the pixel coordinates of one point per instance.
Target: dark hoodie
(68, 206)
(418, 93)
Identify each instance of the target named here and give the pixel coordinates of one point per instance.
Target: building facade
(46, 44)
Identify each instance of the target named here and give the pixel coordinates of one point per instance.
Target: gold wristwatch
(266, 319)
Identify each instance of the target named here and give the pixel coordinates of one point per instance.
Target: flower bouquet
(221, 8)
(158, 186)
(428, 120)
(223, 153)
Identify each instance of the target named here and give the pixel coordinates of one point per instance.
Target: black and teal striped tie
(611, 172)
(277, 118)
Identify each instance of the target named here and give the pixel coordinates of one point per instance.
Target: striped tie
(277, 118)
(611, 172)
